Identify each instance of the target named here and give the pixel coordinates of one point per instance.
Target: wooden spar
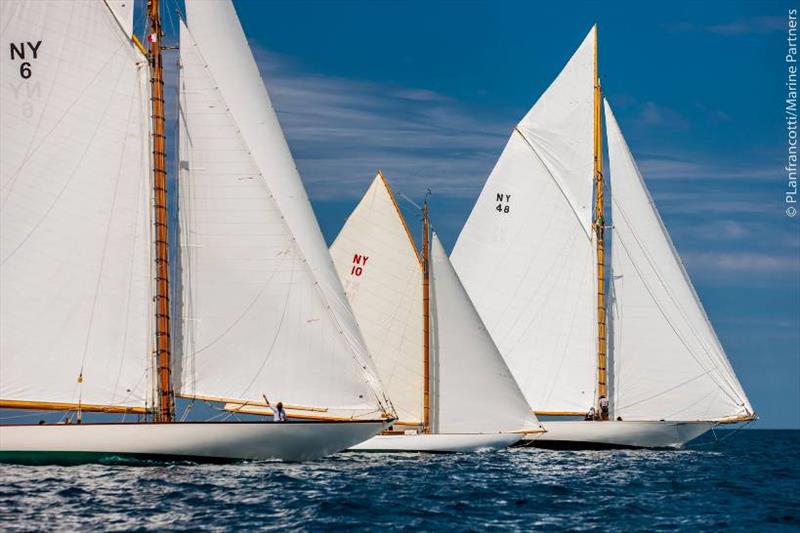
(62, 406)
(426, 321)
(165, 411)
(599, 225)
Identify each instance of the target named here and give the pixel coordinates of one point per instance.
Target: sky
(429, 92)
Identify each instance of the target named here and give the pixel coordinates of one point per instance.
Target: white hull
(441, 443)
(623, 434)
(210, 441)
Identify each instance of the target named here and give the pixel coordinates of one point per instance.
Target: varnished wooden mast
(426, 320)
(165, 411)
(599, 225)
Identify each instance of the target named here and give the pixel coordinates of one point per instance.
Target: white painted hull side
(578, 434)
(289, 441)
(438, 443)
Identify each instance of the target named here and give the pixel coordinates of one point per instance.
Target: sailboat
(259, 315)
(532, 256)
(448, 382)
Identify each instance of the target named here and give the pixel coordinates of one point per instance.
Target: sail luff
(526, 252)
(166, 399)
(75, 251)
(599, 226)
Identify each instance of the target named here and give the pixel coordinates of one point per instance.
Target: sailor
(278, 414)
(603, 407)
(591, 415)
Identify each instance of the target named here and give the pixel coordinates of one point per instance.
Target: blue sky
(428, 91)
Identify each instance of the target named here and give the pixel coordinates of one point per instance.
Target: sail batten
(668, 361)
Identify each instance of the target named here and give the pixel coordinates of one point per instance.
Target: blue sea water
(748, 481)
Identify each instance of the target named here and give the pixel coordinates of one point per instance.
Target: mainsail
(380, 269)
(667, 360)
(263, 313)
(526, 253)
(75, 218)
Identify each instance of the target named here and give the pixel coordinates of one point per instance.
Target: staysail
(475, 391)
(377, 261)
(75, 215)
(667, 360)
(526, 254)
(263, 312)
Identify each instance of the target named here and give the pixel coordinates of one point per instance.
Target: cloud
(652, 114)
(742, 262)
(763, 24)
(341, 130)
(662, 167)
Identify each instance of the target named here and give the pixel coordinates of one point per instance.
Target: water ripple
(747, 482)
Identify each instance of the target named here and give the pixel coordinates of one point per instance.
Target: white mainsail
(667, 360)
(475, 391)
(377, 261)
(526, 254)
(75, 221)
(263, 312)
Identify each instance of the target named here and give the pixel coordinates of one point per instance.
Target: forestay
(377, 261)
(668, 362)
(526, 255)
(475, 391)
(75, 312)
(263, 311)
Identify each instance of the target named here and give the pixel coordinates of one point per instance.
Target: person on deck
(278, 413)
(603, 408)
(591, 415)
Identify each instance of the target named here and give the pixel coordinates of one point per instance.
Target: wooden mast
(426, 320)
(599, 226)
(165, 411)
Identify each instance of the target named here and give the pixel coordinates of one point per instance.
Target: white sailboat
(85, 322)
(532, 257)
(448, 382)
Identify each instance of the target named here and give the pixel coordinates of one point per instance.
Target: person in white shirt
(278, 414)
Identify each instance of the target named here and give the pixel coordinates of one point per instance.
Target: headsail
(264, 313)
(475, 391)
(380, 269)
(75, 312)
(668, 361)
(526, 255)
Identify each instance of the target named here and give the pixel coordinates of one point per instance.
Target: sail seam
(556, 181)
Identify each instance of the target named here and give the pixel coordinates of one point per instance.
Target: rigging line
(131, 266)
(68, 181)
(109, 219)
(556, 181)
(730, 378)
(666, 391)
(669, 322)
(664, 285)
(660, 307)
(278, 330)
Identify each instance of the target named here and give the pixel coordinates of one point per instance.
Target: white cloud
(342, 130)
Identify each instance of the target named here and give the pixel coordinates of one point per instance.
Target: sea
(747, 480)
